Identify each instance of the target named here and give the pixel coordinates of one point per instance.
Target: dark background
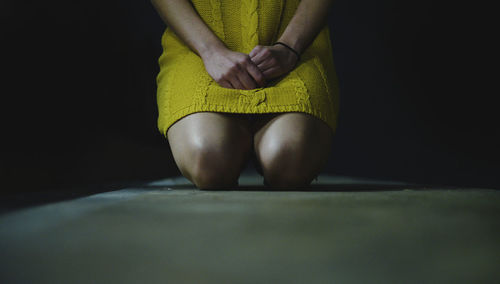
(78, 101)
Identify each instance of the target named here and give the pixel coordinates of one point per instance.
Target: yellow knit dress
(185, 87)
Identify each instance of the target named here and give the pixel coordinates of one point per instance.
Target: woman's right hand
(233, 70)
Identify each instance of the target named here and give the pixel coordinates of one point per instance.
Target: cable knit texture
(185, 87)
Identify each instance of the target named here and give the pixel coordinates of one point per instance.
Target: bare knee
(210, 148)
(293, 158)
(287, 166)
(213, 168)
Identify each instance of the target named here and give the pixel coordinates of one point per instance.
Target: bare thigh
(211, 147)
(292, 147)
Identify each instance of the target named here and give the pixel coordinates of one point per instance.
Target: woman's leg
(211, 148)
(292, 148)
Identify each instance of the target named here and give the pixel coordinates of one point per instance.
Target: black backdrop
(78, 94)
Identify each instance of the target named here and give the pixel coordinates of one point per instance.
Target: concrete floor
(345, 230)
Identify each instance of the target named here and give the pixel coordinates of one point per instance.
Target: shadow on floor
(336, 187)
(16, 201)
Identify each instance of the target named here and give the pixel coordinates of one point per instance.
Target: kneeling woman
(247, 79)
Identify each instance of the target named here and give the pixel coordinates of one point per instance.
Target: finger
(260, 56)
(256, 74)
(255, 50)
(247, 80)
(230, 84)
(226, 84)
(272, 72)
(235, 82)
(267, 64)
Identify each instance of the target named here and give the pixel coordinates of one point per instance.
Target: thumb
(255, 50)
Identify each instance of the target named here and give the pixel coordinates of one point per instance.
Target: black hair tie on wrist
(293, 50)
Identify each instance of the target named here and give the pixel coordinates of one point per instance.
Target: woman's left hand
(273, 60)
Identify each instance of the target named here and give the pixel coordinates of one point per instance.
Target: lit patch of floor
(340, 230)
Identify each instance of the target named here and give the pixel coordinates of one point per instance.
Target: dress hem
(164, 125)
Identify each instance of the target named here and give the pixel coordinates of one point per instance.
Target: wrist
(292, 41)
(296, 54)
(211, 49)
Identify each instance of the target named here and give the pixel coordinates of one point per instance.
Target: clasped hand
(237, 70)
